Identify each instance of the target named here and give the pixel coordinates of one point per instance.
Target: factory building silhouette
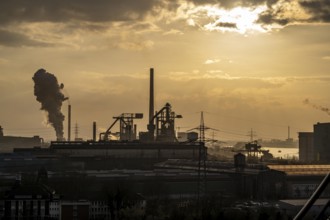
(315, 146)
(7, 143)
(156, 144)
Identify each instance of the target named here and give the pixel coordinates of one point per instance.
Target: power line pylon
(202, 157)
(76, 131)
(252, 134)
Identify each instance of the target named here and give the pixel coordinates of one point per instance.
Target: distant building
(8, 143)
(306, 146)
(187, 136)
(322, 141)
(182, 136)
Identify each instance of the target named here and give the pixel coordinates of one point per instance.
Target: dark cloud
(13, 39)
(90, 14)
(270, 17)
(235, 3)
(253, 3)
(222, 3)
(64, 10)
(75, 14)
(319, 9)
(226, 25)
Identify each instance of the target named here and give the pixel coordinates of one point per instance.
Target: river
(285, 153)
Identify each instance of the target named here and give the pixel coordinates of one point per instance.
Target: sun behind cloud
(239, 19)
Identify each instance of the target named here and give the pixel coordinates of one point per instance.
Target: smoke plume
(48, 93)
(324, 109)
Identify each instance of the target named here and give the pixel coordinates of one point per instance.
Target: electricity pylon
(202, 157)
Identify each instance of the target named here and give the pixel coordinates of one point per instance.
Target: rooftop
(299, 170)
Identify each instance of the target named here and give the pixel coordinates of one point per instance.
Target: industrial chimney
(69, 122)
(151, 125)
(94, 131)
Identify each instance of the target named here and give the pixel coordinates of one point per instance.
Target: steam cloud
(324, 109)
(48, 93)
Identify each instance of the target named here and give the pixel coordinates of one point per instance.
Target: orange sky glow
(248, 64)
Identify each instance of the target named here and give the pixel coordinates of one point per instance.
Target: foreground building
(28, 201)
(315, 146)
(322, 142)
(306, 146)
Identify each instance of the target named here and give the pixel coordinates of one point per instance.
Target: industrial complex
(84, 179)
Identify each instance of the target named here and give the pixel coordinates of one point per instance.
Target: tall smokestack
(134, 136)
(151, 95)
(69, 122)
(94, 131)
(151, 126)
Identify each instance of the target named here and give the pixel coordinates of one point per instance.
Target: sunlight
(238, 19)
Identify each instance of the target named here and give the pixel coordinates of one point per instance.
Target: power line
(250, 120)
(252, 134)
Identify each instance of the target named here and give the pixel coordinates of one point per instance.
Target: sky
(247, 64)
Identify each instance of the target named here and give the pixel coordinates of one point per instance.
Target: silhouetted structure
(322, 141)
(240, 161)
(127, 128)
(302, 213)
(306, 147)
(28, 201)
(159, 143)
(8, 143)
(151, 124)
(75, 210)
(315, 146)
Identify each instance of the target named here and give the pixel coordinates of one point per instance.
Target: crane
(127, 130)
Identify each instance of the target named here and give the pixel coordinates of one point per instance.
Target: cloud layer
(83, 10)
(106, 20)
